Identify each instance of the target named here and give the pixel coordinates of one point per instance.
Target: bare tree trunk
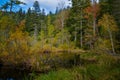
(94, 27)
(51, 45)
(62, 22)
(75, 36)
(61, 6)
(81, 39)
(62, 35)
(94, 18)
(111, 39)
(35, 34)
(81, 36)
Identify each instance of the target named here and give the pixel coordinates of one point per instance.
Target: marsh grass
(106, 68)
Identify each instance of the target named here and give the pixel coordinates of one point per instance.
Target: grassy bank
(94, 67)
(68, 66)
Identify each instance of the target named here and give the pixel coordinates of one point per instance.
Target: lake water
(7, 73)
(63, 60)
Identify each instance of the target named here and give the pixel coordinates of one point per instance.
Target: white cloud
(49, 5)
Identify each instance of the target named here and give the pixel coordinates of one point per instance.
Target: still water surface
(9, 73)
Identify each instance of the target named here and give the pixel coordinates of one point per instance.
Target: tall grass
(107, 67)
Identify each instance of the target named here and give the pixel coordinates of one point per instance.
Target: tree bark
(111, 39)
(35, 33)
(81, 36)
(94, 27)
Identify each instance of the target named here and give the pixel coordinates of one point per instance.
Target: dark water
(9, 73)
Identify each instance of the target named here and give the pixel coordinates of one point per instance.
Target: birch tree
(108, 23)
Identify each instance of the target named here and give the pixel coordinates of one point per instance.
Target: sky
(48, 5)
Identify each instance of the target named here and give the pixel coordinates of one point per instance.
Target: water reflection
(7, 73)
(7, 79)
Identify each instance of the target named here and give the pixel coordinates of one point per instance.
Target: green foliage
(108, 27)
(59, 75)
(36, 7)
(11, 4)
(7, 23)
(16, 46)
(108, 22)
(63, 37)
(42, 42)
(76, 19)
(19, 16)
(7, 26)
(106, 68)
(106, 6)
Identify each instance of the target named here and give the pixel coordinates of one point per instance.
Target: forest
(77, 42)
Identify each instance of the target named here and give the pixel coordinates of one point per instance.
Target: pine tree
(106, 6)
(20, 15)
(11, 4)
(29, 21)
(36, 7)
(116, 13)
(43, 14)
(76, 19)
(91, 30)
(36, 19)
(56, 11)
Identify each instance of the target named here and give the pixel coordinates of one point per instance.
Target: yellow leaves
(18, 41)
(16, 49)
(51, 30)
(19, 34)
(7, 23)
(5, 53)
(22, 25)
(35, 48)
(64, 46)
(107, 21)
(105, 44)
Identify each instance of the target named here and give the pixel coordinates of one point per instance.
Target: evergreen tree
(28, 21)
(36, 7)
(11, 4)
(76, 19)
(106, 6)
(43, 14)
(91, 30)
(57, 11)
(20, 15)
(36, 19)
